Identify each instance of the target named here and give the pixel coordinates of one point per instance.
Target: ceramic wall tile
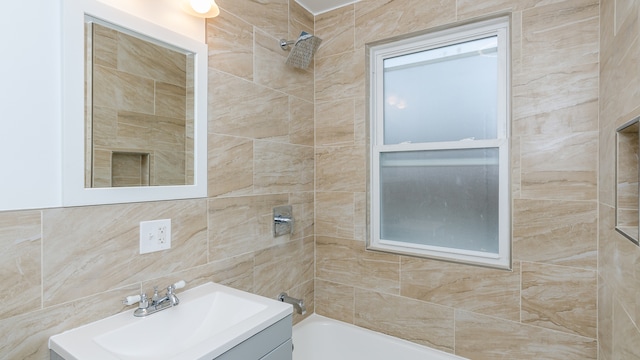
(340, 168)
(230, 163)
(337, 29)
(168, 133)
(340, 76)
(171, 101)
(335, 214)
(516, 42)
(606, 242)
(236, 272)
(243, 225)
(168, 168)
(230, 41)
(626, 11)
(605, 320)
(335, 123)
(281, 168)
(151, 61)
(303, 207)
(346, 262)
(619, 65)
(618, 307)
(20, 262)
(560, 298)
(299, 20)
(301, 122)
(123, 91)
(559, 167)
(241, 108)
(481, 290)
(423, 323)
(471, 9)
(607, 164)
(380, 19)
(87, 250)
(516, 167)
(555, 103)
(623, 271)
(625, 335)
(607, 27)
(361, 121)
(512, 340)
(560, 35)
(269, 15)
(556, 232)
(104, 125)
(360, 220)
(104, 45)
(560, 55)
(26, 336)
(283, 267)
(335, 300)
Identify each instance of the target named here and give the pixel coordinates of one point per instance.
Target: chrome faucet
(157, 303)
(298, 304)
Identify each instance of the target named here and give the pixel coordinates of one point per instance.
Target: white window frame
(377, 53)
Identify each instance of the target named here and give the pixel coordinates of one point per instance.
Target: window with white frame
(439, 155)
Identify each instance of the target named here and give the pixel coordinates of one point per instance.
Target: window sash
(377, 55)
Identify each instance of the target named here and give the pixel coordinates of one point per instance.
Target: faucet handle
(130, 300)
(155, 296)
(144, 302)
(179, 285)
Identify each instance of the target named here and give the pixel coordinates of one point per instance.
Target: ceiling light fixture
(200, 8)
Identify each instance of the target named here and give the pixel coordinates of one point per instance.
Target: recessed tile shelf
(627, 167)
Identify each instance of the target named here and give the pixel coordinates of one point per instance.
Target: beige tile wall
(58, 264)
(618, 258)
(546, 308)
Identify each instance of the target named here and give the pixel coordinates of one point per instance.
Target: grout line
(520, 293)
(454, 331)
(41, 259)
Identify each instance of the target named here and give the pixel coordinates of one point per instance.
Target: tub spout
(298, 304)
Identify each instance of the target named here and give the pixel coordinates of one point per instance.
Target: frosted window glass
(442, 94)
(446, 198)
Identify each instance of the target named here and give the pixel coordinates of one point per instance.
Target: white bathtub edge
(319, 320)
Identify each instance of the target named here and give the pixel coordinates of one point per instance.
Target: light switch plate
(155, 235)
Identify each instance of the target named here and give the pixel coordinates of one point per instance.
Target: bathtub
(321, 338)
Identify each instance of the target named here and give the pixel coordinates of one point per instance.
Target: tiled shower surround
(139, 111)
(279, 135)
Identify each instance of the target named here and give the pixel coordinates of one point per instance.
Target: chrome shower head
(302, 51)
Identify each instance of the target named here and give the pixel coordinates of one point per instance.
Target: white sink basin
(210, 320)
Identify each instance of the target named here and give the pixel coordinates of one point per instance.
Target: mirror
(139, 115)
(627, 190)
(134, 111)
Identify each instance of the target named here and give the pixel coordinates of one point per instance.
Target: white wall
(30, 93)
(30, 104)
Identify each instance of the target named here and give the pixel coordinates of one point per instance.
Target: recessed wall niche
(627, 202)
(130, 169)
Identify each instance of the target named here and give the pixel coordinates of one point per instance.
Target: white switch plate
(155, 235)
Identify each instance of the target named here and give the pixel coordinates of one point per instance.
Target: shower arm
(284, 44)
